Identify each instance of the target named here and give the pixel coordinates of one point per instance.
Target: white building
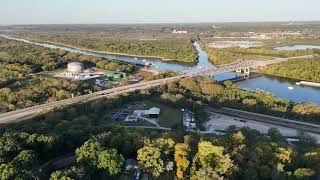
(179, 32)
(189, 121)
(131, 119)
(152, 112)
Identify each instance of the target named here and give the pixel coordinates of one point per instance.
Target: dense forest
(301, 69)
(224, 56)
(101, 149)
(136, 41)
(228, 55)
(21, 86)
(171, 49)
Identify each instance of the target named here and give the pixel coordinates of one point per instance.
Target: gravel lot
(222, 122)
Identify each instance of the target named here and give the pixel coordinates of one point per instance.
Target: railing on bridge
(238, 64)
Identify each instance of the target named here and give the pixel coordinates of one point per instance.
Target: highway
(21, 114)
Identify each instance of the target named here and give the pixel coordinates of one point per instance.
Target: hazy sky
(155, 11)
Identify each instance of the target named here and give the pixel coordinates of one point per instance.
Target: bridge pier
(243, 71)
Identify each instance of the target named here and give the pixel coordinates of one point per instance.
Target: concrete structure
(152, 113)
(75, 67)
(76, 71)
(243, 71)
(188, 120)
(131, 119)
(239, 64)
(179, 32)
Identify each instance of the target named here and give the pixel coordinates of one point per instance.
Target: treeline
(221, 56)
(34, 90)
(301, 69)
(172, 49)
(240, 154)
(228, 55)
(143, 40)
(271, 52)
(229, 95)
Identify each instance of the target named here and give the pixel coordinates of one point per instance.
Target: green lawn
(169, 117)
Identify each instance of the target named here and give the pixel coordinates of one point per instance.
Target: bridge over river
(239, 65)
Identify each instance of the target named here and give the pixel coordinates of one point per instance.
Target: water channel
(281, 87)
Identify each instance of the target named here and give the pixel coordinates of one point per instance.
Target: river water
(276, 85)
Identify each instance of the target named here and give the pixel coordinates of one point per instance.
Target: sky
(155, 11)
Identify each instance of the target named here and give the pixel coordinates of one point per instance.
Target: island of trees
(301, 69)
(228, 55)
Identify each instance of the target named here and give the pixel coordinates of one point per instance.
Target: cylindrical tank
(75, 67)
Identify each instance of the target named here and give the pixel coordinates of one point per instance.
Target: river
(276, 85)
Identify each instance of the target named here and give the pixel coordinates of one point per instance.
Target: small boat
(135, 58)
(298, 83)
(290, 88)
(143, 60)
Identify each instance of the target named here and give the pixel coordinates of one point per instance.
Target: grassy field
(169, 117)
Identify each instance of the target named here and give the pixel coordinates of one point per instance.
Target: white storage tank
(75, 67)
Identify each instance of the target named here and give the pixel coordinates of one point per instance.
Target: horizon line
(137, 23)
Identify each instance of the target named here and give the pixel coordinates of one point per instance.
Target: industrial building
(75, 67)
(152, 112)
(188, 120)
(116, 75)
(179, 32)
(76, 71)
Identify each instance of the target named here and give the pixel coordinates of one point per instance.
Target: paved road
(21, 114)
